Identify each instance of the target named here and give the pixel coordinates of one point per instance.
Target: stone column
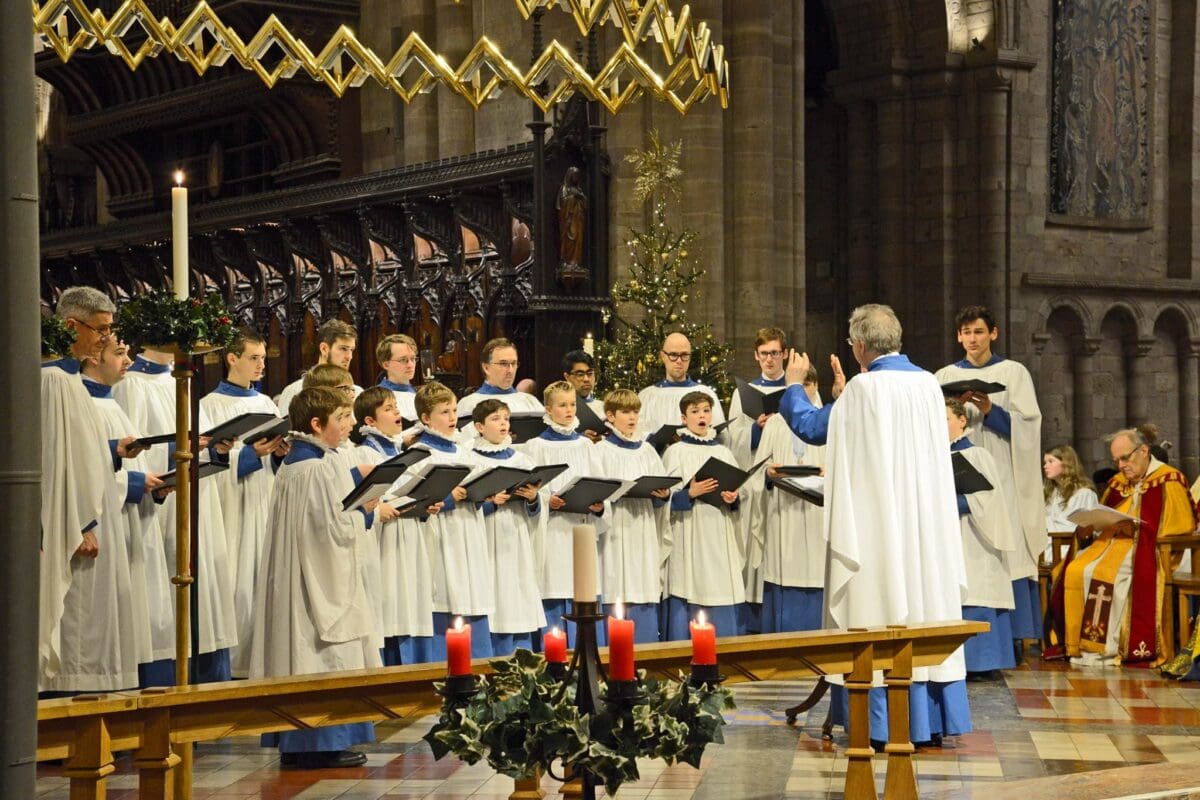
(21, 456)
(1139, 382)
(1087, 436)
(990, 276)
(421, 115)
(1189, 406)
(862, 202)
(456, 119)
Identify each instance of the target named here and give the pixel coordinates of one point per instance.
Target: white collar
(562, 430)
(708, 436)
(371, 430)
(484, 446)
(298, 436)
(635, 438)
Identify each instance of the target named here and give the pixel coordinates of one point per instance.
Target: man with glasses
(660, 402)
(1111, 592)
(1008, 425)
(579, 370)
(77, 466)
(499, 362)
(894, 544)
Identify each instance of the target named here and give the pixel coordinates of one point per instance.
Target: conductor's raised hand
(839, 377)
(797, 368)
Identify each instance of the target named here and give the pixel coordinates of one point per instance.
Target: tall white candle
(179, 237)
(584, 562)
(589, 344)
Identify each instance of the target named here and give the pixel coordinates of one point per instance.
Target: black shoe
(336, 759)
(935, 740)
(1019, 651)
(878, 745)
(985, 675)
(290, 760)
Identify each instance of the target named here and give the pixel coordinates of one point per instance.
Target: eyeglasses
(345, 389)
(582, 373)
(677, 356)
(405, 360)
(1125, 459)
(506, 364)
(104, 332)
(770, 353)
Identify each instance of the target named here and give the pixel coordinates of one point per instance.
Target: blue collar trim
(381, 444)
(231, 390)
(761, 381)
(961, 444)
(438, 443)
(69, 365)
(303, 451)
(487, 388)
(897, 362)
(397, 387)
(149, 367)
(507, 452)
(685, 383)
(687, 437)
(966, 364)
(97, 389)
(554, 436)
(612, 438)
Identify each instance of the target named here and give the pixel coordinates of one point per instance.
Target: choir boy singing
(245, 488)
(630, 563)
(335, 345)
(704, 555)
(513, 524)
(147, 394)
(561, 443)
(455, 536)
(404, 601)
(311, 612)
(660, 402)
(499, 361)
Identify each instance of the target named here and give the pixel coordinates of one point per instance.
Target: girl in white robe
(704, 555)
(512, 521)
(1066, 489)
(244, 491)
(561, 443)
(630, 560)
(147, 394)
(404, 597)
(988, 535)
(456, 535)
(311, 612)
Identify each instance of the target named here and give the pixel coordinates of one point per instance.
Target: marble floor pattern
(1040, 720)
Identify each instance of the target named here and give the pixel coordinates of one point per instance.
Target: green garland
(57, 338)
(157, 318)
(518, 723)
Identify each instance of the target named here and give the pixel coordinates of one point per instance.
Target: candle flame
(555, 630)
(619, 610)
(458, 623)
(179, 177)
(700, 618)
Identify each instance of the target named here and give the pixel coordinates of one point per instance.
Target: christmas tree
(662, 278)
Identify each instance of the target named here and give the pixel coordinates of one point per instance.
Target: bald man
(660, 402)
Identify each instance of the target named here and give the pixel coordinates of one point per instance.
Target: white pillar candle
(179, 237)
(589, 345)
(584, 541)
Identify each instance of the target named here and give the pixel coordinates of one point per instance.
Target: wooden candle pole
(183, 556)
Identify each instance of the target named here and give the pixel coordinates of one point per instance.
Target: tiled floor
(1042, 720)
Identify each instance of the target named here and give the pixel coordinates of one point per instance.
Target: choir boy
(455, 536)
(989, 536)
(245, 488)
(513, 522)
(311, 612)
(140, 536)
(629, 553)
(660, 402)
(404, 599)
(499, 361)
(335, 345)
(147, 394)
(1008, 425)
(704, 556)
(561, 443)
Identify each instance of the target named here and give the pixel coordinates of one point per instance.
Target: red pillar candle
(704, 641)
(555, 644)
(458, 648)
(620, 646)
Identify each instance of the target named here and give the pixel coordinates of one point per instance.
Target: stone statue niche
(572, 226)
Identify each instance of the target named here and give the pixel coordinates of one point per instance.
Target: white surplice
(76, 489)
(557, 577)
(148, 398)
(988, 535)
(244, 503)
(457, 543)
(891, 520)
(311, 612)
(511, 531)
(150, 584)
(1019, 460)
(630, 560)
(660, 405)
(404, 601)
(790, 534)
(702, 549)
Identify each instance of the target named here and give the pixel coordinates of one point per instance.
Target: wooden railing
(86, 730)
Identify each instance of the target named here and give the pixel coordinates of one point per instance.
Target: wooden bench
(155, 723)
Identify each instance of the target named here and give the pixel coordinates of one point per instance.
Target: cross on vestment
(1099, 618)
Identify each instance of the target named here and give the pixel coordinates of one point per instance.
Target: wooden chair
(1063, 545)
(1180, 586)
